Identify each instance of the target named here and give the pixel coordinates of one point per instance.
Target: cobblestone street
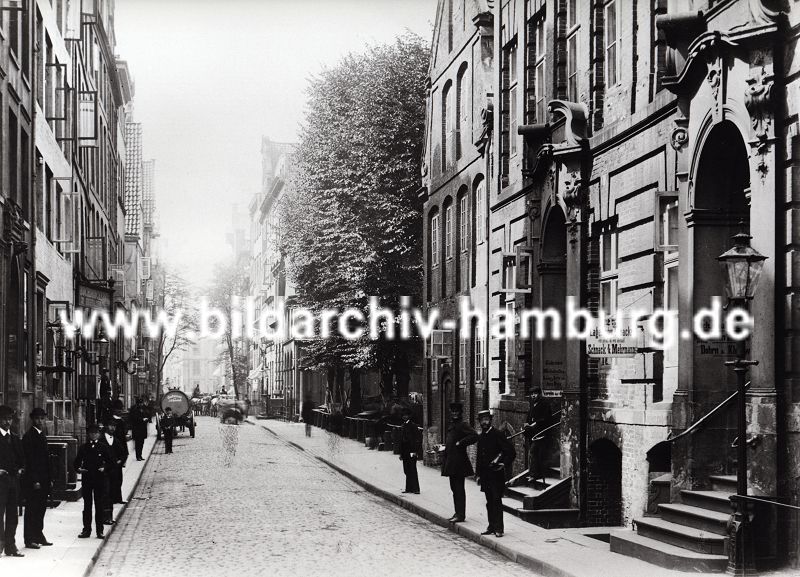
(275, 511)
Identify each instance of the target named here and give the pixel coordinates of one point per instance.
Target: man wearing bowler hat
(36, 481)
(495, 455)
(92, 462)
(409, 451)
(455, 463)
(12, 466)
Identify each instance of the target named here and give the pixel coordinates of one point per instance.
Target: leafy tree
(351, 223)
(230, 282)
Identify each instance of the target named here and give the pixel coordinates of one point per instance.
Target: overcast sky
(212, 77)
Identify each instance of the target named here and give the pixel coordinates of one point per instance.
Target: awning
(256, 373)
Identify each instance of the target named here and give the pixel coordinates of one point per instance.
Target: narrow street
(275, 511)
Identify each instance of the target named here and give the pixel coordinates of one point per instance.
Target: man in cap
(495, 456)
(12, 466)
(138, 419)
(92, 462)
(409, 451)
(539, 418)
(455, 463)
(118, 451)
(36, 482)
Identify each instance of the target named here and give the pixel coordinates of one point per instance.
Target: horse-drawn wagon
(181, 408)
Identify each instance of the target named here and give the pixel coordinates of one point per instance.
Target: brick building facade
(627, 144)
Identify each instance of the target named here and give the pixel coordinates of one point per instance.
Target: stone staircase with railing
(542, 503)
(686, 536)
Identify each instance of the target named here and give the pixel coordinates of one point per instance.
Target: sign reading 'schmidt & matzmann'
(612, 343)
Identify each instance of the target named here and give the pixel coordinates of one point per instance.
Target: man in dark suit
(495, 456)
(118, 451)
(455, 463)
(92, 462)
(12, 466)
(409, 451)
(539, 418)
(138, 420)
(36, 481)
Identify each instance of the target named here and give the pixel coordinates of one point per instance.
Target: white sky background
(212, 77)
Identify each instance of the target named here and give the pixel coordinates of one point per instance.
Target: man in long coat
(456, 464)
(92, 462)
(495, 456)
(36, 481)
(118, 451)
(409, 451)
(12, 466)
(138, 421)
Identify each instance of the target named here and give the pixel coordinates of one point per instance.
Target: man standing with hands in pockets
(36, 480)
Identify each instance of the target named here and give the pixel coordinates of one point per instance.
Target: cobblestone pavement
(275, 511)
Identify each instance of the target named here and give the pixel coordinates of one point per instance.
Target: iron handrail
(701, 421)
(768, 502)
(517, 434)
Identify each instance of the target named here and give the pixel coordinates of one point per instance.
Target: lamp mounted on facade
(134, 359)
(742, 266)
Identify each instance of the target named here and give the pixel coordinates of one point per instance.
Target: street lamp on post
(742, 266)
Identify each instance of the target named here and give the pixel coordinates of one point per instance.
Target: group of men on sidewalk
(25, 474)
(494, 458)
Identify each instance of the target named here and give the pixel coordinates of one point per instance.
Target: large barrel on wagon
(181, 407)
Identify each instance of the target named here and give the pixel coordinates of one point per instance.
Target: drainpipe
(32, 374)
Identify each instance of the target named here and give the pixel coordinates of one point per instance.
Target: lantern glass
(742, 268)
(102, 346)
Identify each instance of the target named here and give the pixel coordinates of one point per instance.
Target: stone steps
(663, 554)
(686, 536)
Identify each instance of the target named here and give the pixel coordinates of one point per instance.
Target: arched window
(462, 106)
(447, 124)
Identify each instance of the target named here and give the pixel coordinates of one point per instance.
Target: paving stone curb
(529, 561)
(110, 528)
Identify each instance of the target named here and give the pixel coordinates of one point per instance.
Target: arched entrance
(719, 208)
(552, 284)
(604, 486)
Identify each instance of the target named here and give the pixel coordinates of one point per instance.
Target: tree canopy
(351, 223)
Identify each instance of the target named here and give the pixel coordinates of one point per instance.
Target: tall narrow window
(480, 199)
(447, 125)
(463, 361)
(463, 221)
(462, 106)
(536, 103)
(512, 97)
(612, 43)
(480, 358)
(448, 231)
(608, 272)
(435, 240)
(572, 67)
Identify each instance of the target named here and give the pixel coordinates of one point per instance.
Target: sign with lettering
(554, 378)
(600, 346)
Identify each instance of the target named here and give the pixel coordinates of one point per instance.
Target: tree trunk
(355, 391)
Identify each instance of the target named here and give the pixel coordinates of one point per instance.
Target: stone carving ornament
(757, 99)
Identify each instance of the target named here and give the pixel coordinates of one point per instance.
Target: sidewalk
(550, 552)
(70, 556)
